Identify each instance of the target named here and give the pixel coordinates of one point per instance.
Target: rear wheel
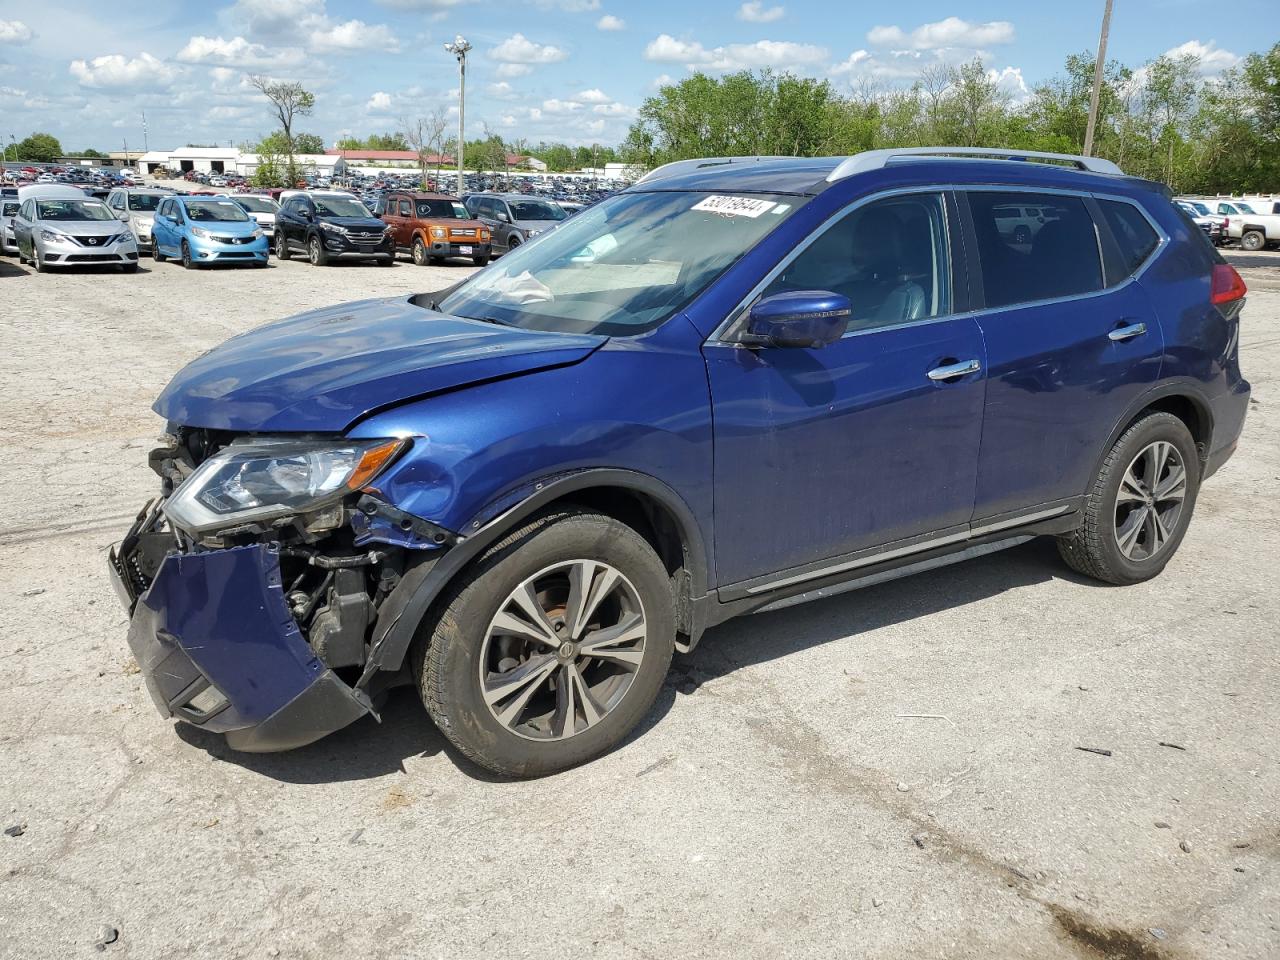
(1140, 506)
(553, 646)
(1253, 240)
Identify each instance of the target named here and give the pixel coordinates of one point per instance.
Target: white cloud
(275, 20)
(119, 73)
(951, 32)
(14, 31)
(610, 22)
(512, 70)
(517, 48)
(237, 52)
(662, 80)
(1213, 59)
(1011, 81)
(501, 90)
(593, 95)
(12, 92)
(380, 102)
(611, 110)
(754, 11)
(778, 54)
(555, 106)
(353, 35)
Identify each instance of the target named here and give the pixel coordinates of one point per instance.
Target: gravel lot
(775, 804)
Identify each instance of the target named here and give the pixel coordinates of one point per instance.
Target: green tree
(39, 148)
(289, 100)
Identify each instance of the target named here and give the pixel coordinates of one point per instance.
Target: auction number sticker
(735, 206)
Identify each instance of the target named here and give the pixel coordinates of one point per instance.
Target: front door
(823, 453)
(1070, 346)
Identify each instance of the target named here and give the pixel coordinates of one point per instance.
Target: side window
(1134, 235)
(889, 257)
(405, 209)
(24, 211)
(1053, 253)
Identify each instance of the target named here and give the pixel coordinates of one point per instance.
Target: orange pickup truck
(433, 226)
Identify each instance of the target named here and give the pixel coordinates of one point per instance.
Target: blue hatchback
(740, 383)
(204, 230)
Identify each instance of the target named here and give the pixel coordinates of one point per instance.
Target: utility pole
(1097, 80)
(145, 147)
(459, 48)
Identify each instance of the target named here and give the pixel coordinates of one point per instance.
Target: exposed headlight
(335, 227)
(439, 232)
(483, 235)
(257, 232)
(200, 231)
(532, 233)
(52, 236)
(268, 479)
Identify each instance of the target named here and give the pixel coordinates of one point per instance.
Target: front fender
(408, 604)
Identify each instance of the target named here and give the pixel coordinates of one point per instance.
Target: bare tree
(425, 135)
(289, 100)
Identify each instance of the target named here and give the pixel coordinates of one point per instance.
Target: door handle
(950, 371)
(1127, 332)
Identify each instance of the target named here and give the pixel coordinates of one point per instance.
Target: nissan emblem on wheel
(736, 385)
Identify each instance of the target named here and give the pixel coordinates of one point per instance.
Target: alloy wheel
(1150, 500)
(313, 251)
(562, 650)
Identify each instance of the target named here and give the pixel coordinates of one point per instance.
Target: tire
(187, 262)
(386, 261)
(316, 254)
(156, 255)
(282, 246)
(468, 634)
(1253, 240)
(36, 261)
(420, 256)
(512, 243)
(480, 261)
(1112, 518)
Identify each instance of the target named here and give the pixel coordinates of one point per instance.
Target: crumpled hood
(323, 370)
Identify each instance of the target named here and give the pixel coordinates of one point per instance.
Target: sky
(567, 70)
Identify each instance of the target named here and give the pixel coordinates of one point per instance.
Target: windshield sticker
(734, 206)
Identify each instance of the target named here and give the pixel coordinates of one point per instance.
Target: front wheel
(187, 262)
(1140, 506)
(480, 261)
(552, 648)
(316, 253)
(419, 252)
(156, 254)
(282, 246)
(1253, 240)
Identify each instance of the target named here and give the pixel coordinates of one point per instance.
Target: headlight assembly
(52, 236)
(336, 228)
(258, 232)
(200, 231)
(439, 232)
(265, 480)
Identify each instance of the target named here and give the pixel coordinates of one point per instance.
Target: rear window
(1135, 238)
(1050, 251)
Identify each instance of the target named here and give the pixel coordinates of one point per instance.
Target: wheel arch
(1185, 401)
(648, 505)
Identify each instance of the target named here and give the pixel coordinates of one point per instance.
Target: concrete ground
(777, 803)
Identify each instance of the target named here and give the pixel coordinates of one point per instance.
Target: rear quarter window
(1135, 238)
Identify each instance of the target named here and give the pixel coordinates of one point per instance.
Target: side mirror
(501, 215)
(798, 318)
(122, 215)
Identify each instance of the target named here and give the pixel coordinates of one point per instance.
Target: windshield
(442, 209)
(1244, 207)
(146, 202)
(257, 204)
(10, 209)
(1199, 208)
(340, 207)
(72, 210)
(622, 267)
(536, 210)
(222, 211)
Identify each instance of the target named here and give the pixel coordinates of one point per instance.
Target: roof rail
(875, 159)
(678, 167)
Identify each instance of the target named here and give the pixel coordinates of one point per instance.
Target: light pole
(1097, 81)
(459, 48)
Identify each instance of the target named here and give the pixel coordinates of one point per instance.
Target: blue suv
(739, 383)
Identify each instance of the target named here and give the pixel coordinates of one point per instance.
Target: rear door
(1070, 346)
(824, 455)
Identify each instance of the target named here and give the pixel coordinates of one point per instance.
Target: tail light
(1227, 286)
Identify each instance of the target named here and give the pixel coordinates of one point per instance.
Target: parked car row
(1253, 221)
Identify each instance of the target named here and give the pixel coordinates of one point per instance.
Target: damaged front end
(256, 579)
